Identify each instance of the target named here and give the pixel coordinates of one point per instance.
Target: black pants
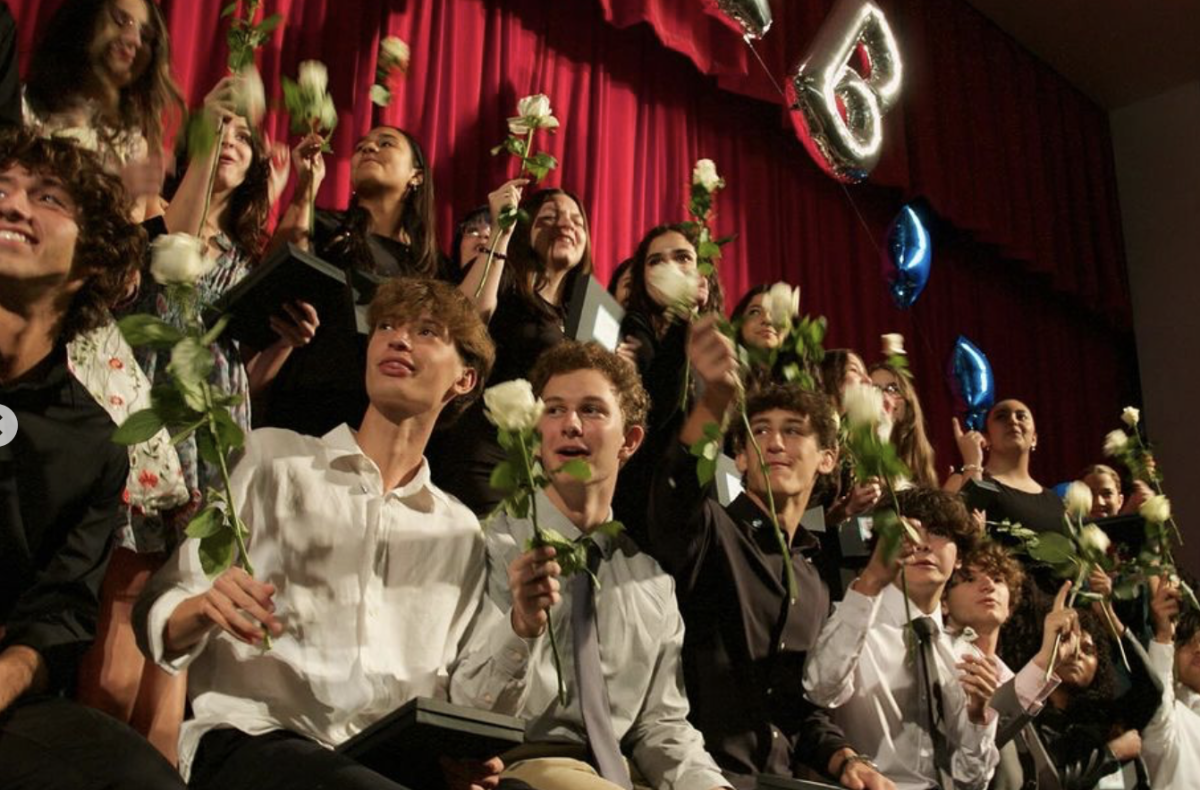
(49, 743)
(232, 760)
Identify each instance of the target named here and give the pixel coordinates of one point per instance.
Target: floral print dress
(228, 375)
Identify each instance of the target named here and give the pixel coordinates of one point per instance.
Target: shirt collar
(746, 511)
(342, 444)
(1188, 697)
(550, 517)
(892, 606)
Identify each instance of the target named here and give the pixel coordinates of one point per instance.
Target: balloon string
(862, 221)
(766, 70)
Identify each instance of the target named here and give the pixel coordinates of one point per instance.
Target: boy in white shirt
(1171, 742)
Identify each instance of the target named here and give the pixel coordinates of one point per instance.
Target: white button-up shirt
(376, 589)
(864, 669)
(640, 632)
(1171, 741)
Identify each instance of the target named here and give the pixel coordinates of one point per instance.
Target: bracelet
(968, 468)
(856, 758)
(499, 256)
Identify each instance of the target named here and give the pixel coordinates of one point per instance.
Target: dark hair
(833, 372)
(640, 300)
(617, 273)
(813, 406)
(940, 513)
(481, 215)
(525, 274)
(994, 560)
(405, 298)
(109, 247)
(1186, 626)
(570, 356)
(350, 243)
(744, 303)
(245, 220)
(62, 64)
(908, 435)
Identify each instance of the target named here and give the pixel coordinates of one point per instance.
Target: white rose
(313, 78)
(705, 174)
(1093, 542)
(1156, 509)
(673, 287)
(781, 303)
(1078, 500)
(381, 95)
(329, 116)
(249, 96)
(1130, 416)
(1115, 443)
(177, 259)
(393, 52)
(863, 405)
(893, 343)
(511, 406)
(884, 429)
(533, 112)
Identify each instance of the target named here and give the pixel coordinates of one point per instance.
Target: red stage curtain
(1015, 164)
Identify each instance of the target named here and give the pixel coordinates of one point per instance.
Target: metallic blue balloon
(971, 381)
(907, 258)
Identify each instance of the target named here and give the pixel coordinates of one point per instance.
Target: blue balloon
(907, 258)
(971, 381)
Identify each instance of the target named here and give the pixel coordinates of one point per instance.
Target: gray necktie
(589, 679)
(929, 691)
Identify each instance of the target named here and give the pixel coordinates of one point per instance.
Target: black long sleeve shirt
(745, 647)
(61, 483)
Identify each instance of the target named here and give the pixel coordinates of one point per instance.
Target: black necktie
(929, 690)
(589, 679)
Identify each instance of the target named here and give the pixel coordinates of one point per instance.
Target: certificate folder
(405, 746)
(289, 275)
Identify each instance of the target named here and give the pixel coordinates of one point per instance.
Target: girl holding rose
(524, 299)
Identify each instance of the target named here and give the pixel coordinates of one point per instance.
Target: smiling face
(413, 367)
(237, 153)
(978, 599)
(1010, 428)
(1106, 494)
(791, 451)
(757, 329)
(382, 162)
(559, 234)
(38, 230)
(121, 45)
(583, 421)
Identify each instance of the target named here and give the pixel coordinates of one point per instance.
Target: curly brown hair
(408, 298)
(941, 513)
(109, 248)
(813, 406)
(570, 356)
(992, 559)
(62, 64)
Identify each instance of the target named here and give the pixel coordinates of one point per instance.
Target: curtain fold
(1015, 166)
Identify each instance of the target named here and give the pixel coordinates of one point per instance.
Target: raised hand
(1060, 631)
(299, 326)
(971, 445)
(1165, 605)
(979, 681)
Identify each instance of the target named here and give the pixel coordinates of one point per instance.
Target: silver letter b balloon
(838, 111)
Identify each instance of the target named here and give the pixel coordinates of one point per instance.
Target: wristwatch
(856, 758)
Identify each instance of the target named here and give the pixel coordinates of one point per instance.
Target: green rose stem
(487, 266)
(212, 178)
(903, 571)
(539, 539)
(1083, 572)
(311, 194)
(1112, 629)
(239, 529)
(789, 573)
(1154, 481)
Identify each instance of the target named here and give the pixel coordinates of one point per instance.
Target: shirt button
(515, 655)
(487, 698)
(774, 734)
(770, 692)
(782, 644)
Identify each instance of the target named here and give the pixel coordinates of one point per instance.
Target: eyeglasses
(892, 389)
(124, 21)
